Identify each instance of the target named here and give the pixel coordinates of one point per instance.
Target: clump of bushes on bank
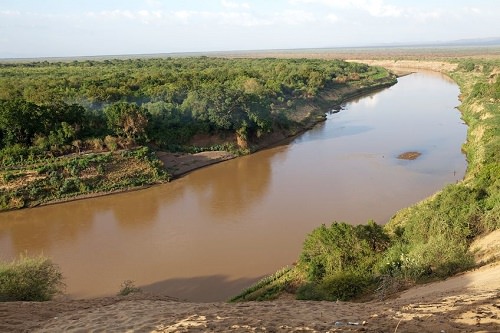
(429, 240)
(30, 279)
(40, 181)
(337, 261)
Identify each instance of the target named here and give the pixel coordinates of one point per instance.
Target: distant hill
(492, 41)
(475, 42)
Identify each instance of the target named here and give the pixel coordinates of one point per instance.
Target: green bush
(339, 261)
(397, 263)
(266, 288)
(310, 291)
(341, 286)
(342, 247)
(128, 287)
(30, 279)
(467, 66)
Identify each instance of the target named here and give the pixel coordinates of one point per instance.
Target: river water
(213, 232)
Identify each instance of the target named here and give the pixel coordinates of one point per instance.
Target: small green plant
(30, 279)
(128, 287)
(467, 65)
(267, 288)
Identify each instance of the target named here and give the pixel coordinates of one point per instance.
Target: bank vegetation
(84, 128)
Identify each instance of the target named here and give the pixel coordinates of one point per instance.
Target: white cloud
(113, 14)
(147, 16)
(294, 17)
(154, 3)
(332, 18)
(236, 18)
(184, 15)
(376, 8)
(379, 9)
(235, 5)
(472, 10)
(425, 16)
(10, 12)
(233, 18)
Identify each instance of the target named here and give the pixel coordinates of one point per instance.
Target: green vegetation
(128, 287)
(41, 180)
(429, 240)
(161, 101)
(29, 279)
(76, 128)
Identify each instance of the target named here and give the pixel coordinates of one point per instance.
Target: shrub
(311, 292)
(467, 66)
(30, 279)
(268, 287)
(128, 287)
(342, 247)
(341, 286)
(70, 185)
(111, 142)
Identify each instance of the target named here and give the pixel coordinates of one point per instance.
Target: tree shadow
(214, 288)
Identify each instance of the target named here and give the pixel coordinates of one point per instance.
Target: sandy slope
(469, 302)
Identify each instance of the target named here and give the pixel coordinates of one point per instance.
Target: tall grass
(30, 279)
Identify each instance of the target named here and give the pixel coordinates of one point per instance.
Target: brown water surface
(208, 235)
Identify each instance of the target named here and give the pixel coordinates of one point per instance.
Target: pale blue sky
(45, 28)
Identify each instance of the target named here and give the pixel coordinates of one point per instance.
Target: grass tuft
(30, 279)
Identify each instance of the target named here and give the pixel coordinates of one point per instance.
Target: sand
(469, 302)
(179, 164)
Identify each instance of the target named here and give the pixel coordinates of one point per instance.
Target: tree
(127, 120)
(19, 121)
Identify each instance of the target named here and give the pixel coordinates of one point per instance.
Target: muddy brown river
(213, 232)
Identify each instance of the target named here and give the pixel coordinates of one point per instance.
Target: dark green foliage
(66, 177)
(21, 122)
(341, 247)
(374, 235)
(339, 261)
(160, 101)
(467, 65)
(52, 110)
(128, 287)
(340, 286)
(266, 288)
(127, 120)
(30, 279)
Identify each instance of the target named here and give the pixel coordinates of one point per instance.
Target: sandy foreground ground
(469, 302)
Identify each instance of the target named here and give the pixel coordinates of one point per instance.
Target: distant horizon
(463, 43)
(60, 29)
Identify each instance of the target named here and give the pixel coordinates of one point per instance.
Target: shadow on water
(234, 185)
(215, 288)
(40, 228)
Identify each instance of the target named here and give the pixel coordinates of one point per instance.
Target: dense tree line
(160, 101)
